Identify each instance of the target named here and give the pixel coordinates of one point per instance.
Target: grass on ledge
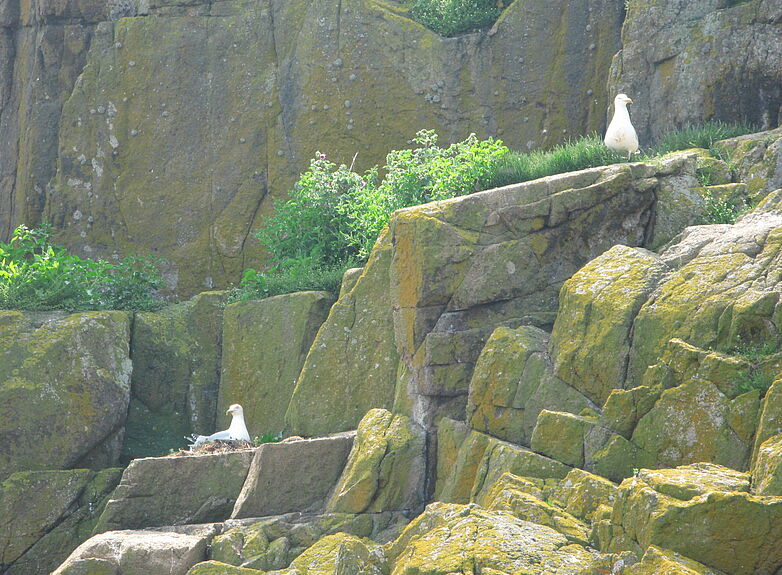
(262, 284)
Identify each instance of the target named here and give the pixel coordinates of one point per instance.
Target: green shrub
(719, 211)
(453, 17)
(334, 215)
(36, 274)
(270, 437)
(301, 276)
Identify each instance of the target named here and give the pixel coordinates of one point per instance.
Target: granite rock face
(686, 63)
(64, 389)
(311, 76)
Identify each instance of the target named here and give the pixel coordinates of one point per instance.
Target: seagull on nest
(237, 431)
(620, 135)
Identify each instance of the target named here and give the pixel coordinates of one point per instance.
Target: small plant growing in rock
(717, 211)
(453, 17)
(269, 437)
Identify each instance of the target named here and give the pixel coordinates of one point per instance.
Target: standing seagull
(620, 135)
(237, 431)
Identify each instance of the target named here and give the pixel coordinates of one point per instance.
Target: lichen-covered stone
(561, 436)
(582, 494)
(757, 160)
(509, 496)
(352, 363)
(217, 568)
(341, 554)
(264, 346)
(293, 475)
(273, 543)
(770, 418)
(137, 552)
(657, 561)
(47, 514)
(482, 460)
(386, 468)
(450, 538)
(691, 423)
(513, 382)
(731, 531)
(717, 60)
(176, 362)
(625, 407)
(176, 490)
(64, 389)
(227, 159)
(767, 471)
(591, 340)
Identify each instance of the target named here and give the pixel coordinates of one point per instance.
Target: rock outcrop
(685, 63)
(64, 389)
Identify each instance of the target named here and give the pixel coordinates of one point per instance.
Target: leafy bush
(269, 437)
(719, 211)
(301, 277)
(334, 215)
(36, 274)
(453, 17)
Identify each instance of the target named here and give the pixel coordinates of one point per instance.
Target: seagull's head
(235, 409)
(622, 100)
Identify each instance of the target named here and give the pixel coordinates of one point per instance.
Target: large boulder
(703, 512)
(320, 73)
(450, 538)
(767, 472)
(47, 514)
(165, 552)
(717, 59)
(264, 346)
(64, 389)
(513, 382)
(157, 491)
(274, 542)
(293, 476)
(386, 469)
(176, 362)
(757, 159)
(656, 561)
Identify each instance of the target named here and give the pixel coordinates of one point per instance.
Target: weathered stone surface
(273, 543)
(264, 346)
(625, 407)
(691, 423)
(47, 514)
(226, 158)
(513, 382)
(511, 494)
(293, 476)
(732, 531)
(767, 472)
(591, 339)
(757, 159)
(340, 554)
(481, 460)
(582, 494)
(176, 372)
(64, 389)
(176, 490)
(717, 60)
(656, 561)
(447, 538)
(136, 553)
(352, 364)
(561, 436)
(770, 417)
(220, 568)
(386, 468)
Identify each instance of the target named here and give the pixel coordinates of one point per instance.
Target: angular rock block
(265, 343)
(47, 514)
(176, 490)
(767, 472)
(293, 476)
(703, 512)
(137, 553)
(386, 468)
(64, 389)
(656, 561)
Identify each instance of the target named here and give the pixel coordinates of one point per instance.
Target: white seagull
(237, 431)
(620, 135)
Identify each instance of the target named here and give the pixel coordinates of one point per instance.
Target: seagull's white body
(620, 135)
(237, 431)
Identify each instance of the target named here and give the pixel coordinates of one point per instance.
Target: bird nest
(209, 447)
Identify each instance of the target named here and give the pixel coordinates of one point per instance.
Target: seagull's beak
(228, 412)
(628, 101)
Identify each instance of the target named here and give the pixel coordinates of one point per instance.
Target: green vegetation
(269, 437)
(333, 215)
(36, 274)
(720, 211)
(453, 17)
(756, 377)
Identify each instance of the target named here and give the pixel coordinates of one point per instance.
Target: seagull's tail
(195, 440)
